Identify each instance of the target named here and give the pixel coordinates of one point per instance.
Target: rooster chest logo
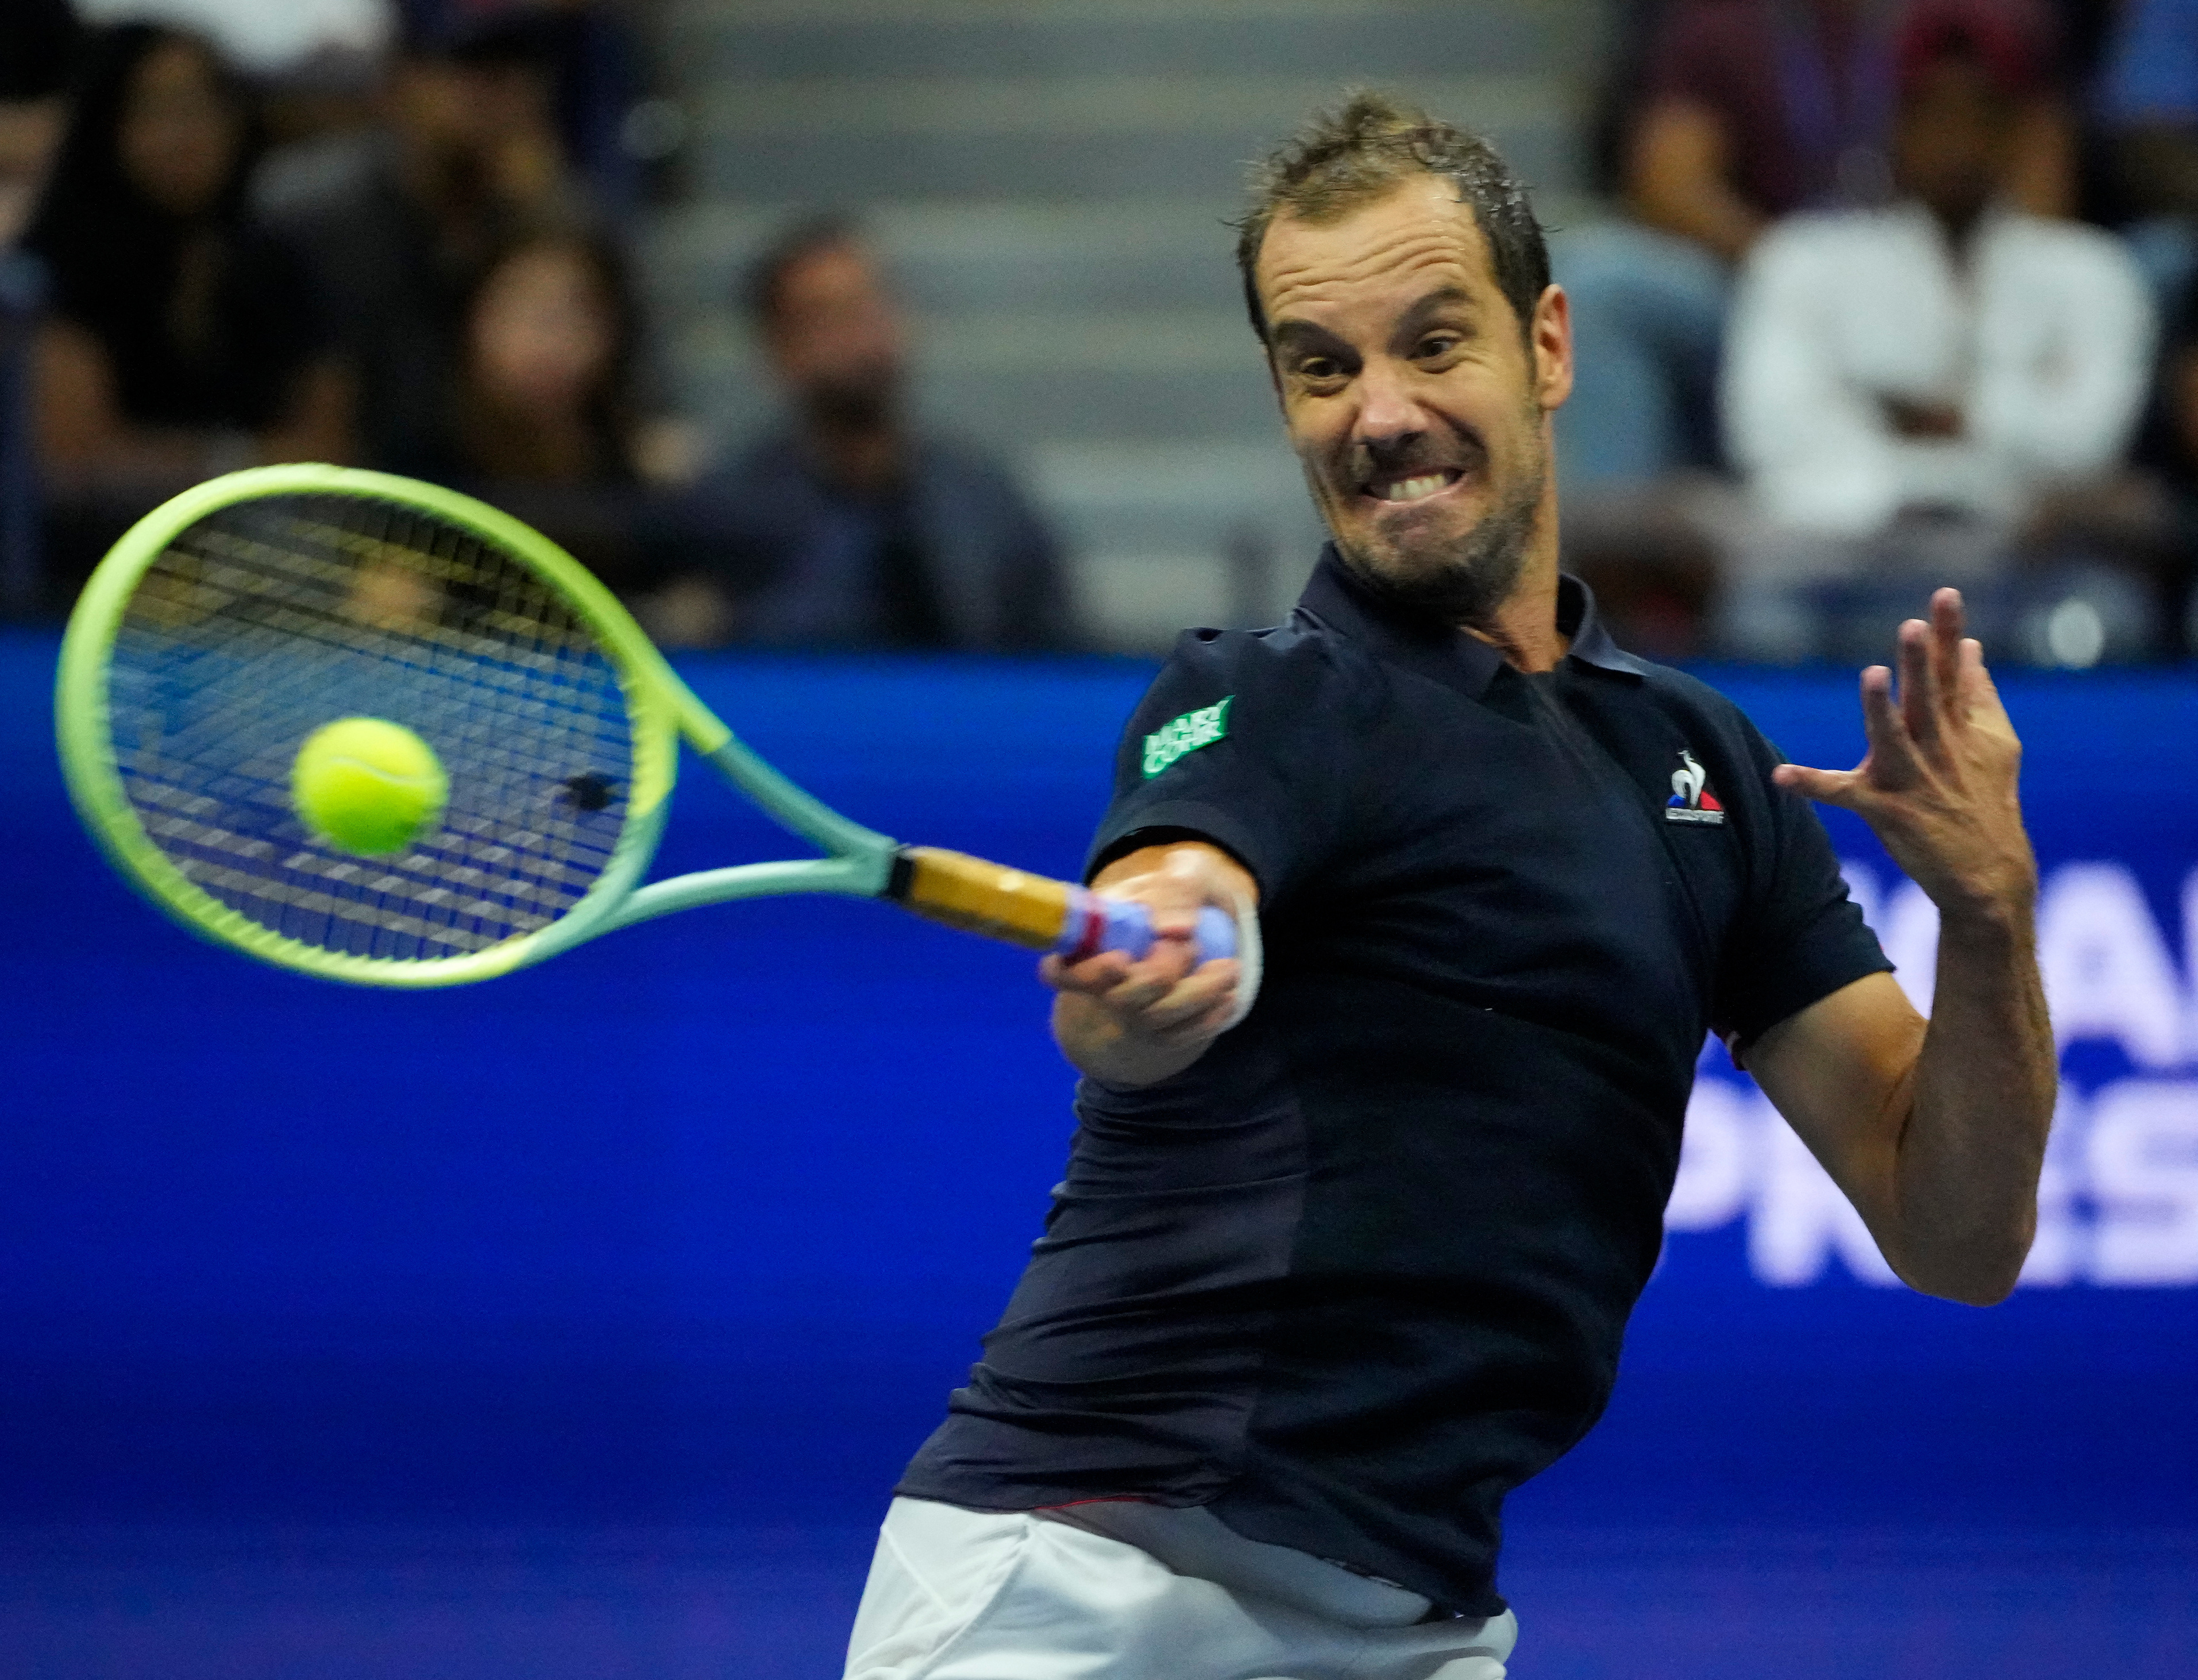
(1692, 798)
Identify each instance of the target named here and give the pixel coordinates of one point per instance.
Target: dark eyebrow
(1303, 334)
(1434, 303)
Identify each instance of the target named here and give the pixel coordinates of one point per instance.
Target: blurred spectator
(260, 38)
(182, 339)
(2151, 97)
(2148, 101)
(592, 60)
(541, 417)
(544, 392)
(2171, 451)
(398, 243)
(1750, 110)
(1906, 384)
(37, 39)
(848, 527)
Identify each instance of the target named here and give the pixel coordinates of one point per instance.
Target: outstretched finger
(1947, 623)
(1892, 759)
(1919, 683)
(1826, 787)
(1979, 694)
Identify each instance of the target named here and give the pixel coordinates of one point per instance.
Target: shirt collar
(1450, 657)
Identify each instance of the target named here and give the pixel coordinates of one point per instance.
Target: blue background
(696, 1225)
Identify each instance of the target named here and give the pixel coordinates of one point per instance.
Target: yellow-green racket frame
(660, 709)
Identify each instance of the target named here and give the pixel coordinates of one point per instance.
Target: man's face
(30, 130)
(837, 339)
(1950, 146)
(1418, 407)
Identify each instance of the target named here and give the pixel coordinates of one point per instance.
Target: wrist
(1996, 889)
(2002, 913)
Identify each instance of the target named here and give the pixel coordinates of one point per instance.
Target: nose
(1389, 411)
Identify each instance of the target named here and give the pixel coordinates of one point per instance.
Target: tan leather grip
(981, 898)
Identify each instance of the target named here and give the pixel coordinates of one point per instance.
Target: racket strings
(268, 618)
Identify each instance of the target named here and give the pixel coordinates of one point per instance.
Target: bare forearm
(1714, 216)
(1096, 1045)
(1677, 180)
(1936, 1130)
(85, 439)
(1966, 1174)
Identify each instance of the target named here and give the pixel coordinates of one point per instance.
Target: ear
(1551, 336)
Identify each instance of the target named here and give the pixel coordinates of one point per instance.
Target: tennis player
(1323, 1286)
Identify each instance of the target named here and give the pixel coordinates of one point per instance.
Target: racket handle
(1034, 910)
(1095, 923)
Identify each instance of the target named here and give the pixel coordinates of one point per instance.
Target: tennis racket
(235, 620)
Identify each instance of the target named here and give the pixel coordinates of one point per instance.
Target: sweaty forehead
(1414, 239)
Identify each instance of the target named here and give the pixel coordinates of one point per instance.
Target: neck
(1959, 226)
(1525, 631)
(450, 189)
(511, 440)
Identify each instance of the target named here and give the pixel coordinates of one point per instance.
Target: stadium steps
(1051, 181)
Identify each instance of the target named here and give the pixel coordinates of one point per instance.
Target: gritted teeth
(1412, 489)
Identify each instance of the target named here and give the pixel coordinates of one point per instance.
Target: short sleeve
(1799, 938)
(1242, 740)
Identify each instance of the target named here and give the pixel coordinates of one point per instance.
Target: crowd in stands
(1896, 293)
(438, 287)
(1890, 293)
(846, 491)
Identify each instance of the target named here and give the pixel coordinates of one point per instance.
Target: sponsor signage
(2119, 1203)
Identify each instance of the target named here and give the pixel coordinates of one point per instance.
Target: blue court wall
(702, 1220)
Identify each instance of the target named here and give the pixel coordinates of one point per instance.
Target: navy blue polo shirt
(1364, 1267)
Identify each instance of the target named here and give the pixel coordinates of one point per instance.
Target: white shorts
(958, 1595)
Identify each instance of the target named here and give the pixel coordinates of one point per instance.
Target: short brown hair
(763, 288)
(1364, 151)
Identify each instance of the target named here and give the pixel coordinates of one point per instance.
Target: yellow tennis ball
(367, 784)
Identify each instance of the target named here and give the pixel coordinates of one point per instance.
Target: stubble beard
(865, 399)
(1468, 585)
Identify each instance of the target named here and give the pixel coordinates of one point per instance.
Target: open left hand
(1938, 783)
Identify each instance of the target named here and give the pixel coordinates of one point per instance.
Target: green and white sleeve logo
(1187, 734)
